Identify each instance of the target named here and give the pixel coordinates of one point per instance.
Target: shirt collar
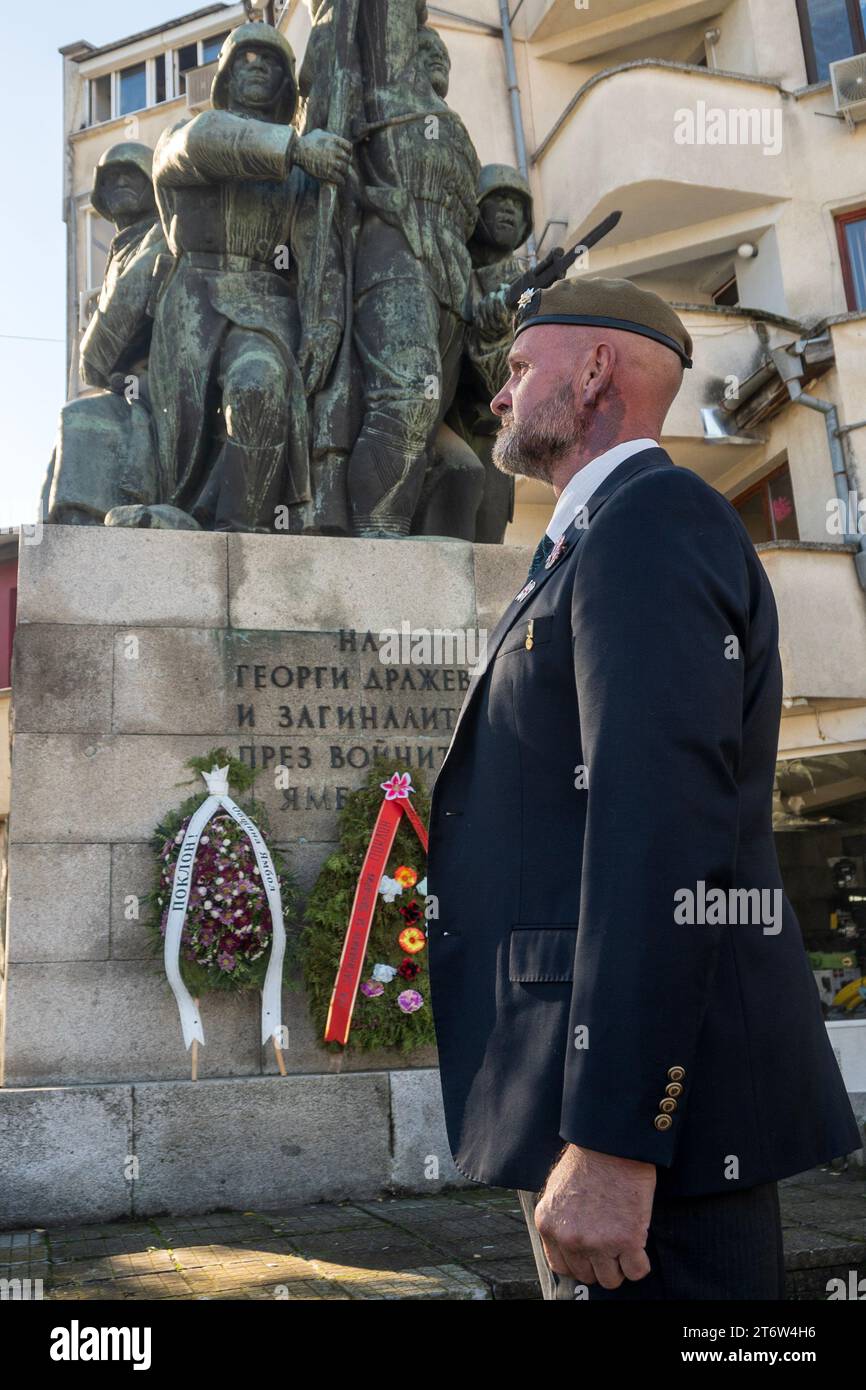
(584, 482)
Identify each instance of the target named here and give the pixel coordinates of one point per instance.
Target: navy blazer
(615, 755)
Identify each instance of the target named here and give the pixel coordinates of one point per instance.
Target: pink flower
(410, 1000)
(398, 786)
(782, 508)
(372, 988)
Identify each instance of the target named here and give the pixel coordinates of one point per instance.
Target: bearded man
(603, 1048)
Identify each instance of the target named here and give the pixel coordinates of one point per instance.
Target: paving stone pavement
(469, 1243)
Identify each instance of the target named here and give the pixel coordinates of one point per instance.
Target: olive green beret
(603, 303)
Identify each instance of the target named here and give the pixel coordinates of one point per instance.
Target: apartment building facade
(736, 151)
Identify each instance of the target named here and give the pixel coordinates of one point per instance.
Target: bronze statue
(504, 223)
(104, 454)
(418, 172)
(230, 366)
(309, 337)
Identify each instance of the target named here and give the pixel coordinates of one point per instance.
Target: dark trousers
(725, 1245)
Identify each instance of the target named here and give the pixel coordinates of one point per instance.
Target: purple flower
(409, 1000)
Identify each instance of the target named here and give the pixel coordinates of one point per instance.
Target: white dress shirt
(586, 480)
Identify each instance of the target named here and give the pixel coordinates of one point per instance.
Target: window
(159, 77)
(99, 237)
(132, 89)
(100, 99)
(210, 48)
(151, 81)
(830, 30)
(727, 293)
(768, 510)
(851, 236)
(184, 59)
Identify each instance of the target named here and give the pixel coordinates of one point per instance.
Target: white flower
(421, 888)
(256, 869)
(226, 844)
(201, 889)
(384, 973)
(178, 839)
(214, 914)
(204, 840)
(208, 903)
(220, 880)
(239, 912)
(390, 888)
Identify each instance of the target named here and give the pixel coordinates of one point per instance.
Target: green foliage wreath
(379, 1019)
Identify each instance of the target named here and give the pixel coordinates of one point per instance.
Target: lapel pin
(555, 553)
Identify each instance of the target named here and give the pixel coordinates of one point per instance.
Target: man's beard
(531, 448)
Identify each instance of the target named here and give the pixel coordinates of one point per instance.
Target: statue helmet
(128, 152)
(256, 36)
(504, 178)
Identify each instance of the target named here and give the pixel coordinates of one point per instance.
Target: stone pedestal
(134, 651)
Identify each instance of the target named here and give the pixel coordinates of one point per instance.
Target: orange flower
(412, 940)
(406, 876)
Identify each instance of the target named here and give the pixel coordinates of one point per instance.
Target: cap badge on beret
(526, 299)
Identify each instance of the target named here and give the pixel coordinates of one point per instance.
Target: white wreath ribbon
(190, 1019)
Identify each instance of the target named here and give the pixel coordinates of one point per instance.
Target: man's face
(126, 192)
(541, 421)
(502, 218)
(256, 79)
(435, 62)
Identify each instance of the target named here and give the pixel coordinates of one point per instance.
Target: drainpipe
(516, 112)
(789, 365)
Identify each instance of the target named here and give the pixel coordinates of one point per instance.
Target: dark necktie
(542, 550)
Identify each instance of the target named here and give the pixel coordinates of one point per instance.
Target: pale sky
(32, 231)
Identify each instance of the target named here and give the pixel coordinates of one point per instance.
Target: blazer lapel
(636, 463)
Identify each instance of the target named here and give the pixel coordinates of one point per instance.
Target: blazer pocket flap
(515, 638)
(541, 953)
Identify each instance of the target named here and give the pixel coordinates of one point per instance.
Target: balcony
(559, 30)
(614, 146)
(822, 620)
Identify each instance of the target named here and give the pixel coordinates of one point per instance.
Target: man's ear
(597, 372)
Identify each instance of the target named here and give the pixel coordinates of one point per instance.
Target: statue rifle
(557, 262)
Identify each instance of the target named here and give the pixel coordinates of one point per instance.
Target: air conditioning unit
(848, 77)
(198, 85)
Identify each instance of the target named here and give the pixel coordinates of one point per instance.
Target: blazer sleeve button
(676, 1073)
(662, 1122)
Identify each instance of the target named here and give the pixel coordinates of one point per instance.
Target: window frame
(841, 220)
(855, 26)
(173, 91)
(764, 483)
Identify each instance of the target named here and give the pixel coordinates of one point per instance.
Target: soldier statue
(504, 223)
(418, 172)
(104, 454)
(231, 367)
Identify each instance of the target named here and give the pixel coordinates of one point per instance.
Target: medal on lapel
(527, 589)
(555, 553)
